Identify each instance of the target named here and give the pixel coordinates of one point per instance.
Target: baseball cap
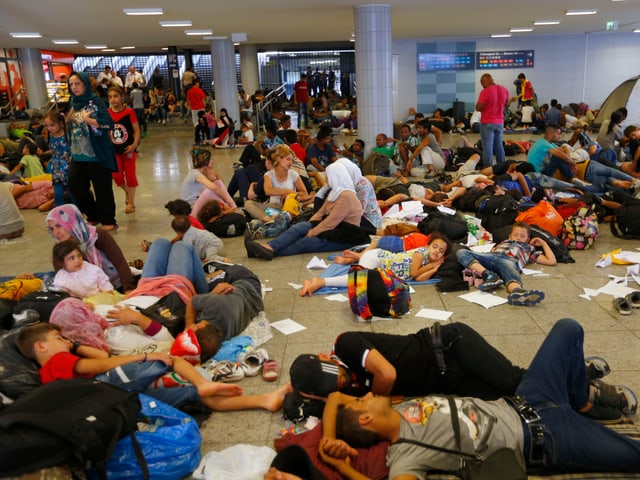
(313, 376)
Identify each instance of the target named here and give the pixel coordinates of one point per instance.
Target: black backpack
(41, 302)
(625, 222)
(76, 422)
(497, 211)
(453, 226)
(556, 245)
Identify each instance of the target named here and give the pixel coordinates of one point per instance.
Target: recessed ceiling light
(215, 37)
(637, 30)
(143, 11)
(127, 48)
(108, 49)
(582, 12)
(65, 42)
(95, 47)
(25, 35)
(520, 30)
(239, 37)
(198, 32)
(165, 48)
(547, 22)
(176, 23)
(500, 35)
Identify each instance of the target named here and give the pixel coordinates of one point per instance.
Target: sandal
(253, 361)
(145, 245)
(270, 371)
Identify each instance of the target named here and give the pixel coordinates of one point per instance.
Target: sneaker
(633, 299)
(431, 174)
(622, 306)
(597, 367)
(525, 298)
(603, 415)
(579, 182)
(226, 371)
(618, 397)
(491, 281)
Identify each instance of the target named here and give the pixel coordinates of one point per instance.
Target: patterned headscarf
(79, 323)
(69, 217)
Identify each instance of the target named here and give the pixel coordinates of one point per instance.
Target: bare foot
(351, 256)
(210, 389)
(341, 260)
(310, 286)
(273, 400)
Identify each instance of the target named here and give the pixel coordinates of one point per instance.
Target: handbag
(503, 464)
(169, 311)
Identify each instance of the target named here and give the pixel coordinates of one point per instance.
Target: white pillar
(224, 77)
(33, 76)
(373, 72)
(249, 68)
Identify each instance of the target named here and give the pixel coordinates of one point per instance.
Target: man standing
(132, 76)
(301, 97)
(196, 98)
(491, 104)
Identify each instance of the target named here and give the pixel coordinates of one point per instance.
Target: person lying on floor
(59, 359)
(505, 262)
(549, 424)
(388, 253)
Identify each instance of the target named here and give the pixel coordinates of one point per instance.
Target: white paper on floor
(485, 299)
(434, 314)
(336, 297)
(288, 326)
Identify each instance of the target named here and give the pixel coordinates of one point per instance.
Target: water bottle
(93, 109)
(272, 212)
(46, 283)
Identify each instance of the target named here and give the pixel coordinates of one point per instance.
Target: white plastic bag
(239, 462)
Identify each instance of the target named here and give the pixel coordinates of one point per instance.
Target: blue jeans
(179, 258)
(540, 180)
(555, 385)
(599, 174)
(504, 266)
(295, 241)
(303, 109)
(491, 137)
(552, 164)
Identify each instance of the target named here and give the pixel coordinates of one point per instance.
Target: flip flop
(270, 371)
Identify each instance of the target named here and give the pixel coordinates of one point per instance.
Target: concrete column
(174, 71)
(373, 71)
(33, 76)
(249, 68)
(224, 77)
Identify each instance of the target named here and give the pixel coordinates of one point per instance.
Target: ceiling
(274, 23)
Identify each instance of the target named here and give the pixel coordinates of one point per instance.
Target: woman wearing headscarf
(98, 246)
(371, 214)
(94, 160)
(335, 226)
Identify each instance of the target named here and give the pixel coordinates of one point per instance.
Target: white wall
(571, 68)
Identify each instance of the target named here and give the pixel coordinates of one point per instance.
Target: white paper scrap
(288, 326)
(316, 262)
(485, 299)
(337, 297)
(434, 314)
(295, 286)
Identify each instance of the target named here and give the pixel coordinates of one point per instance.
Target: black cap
(311, 375)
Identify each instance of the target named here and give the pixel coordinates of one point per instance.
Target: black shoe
(597, 367)
(255, 249)
(604, 415)
(619, 397)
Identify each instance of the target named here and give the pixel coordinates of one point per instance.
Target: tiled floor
(517, 331)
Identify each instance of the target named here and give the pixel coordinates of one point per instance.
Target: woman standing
(94, 159)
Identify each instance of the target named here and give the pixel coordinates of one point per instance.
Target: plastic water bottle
(93, 109)
(46, 283)
(272, 212)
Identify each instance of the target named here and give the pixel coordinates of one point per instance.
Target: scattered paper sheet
(616, 289)
(434, 314)
(604, 261)
(393, 212)
(443, 209)
(337, 297)
(288, 326)
(316, 262)
(485, 299)
(411, 208)
(484, 248)
(530, 271)
(295, 286)
(471, 240)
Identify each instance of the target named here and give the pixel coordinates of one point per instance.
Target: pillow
(369, 461)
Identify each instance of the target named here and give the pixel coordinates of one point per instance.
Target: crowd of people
(289, 194)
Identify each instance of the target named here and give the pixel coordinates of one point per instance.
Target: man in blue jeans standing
(491, 103)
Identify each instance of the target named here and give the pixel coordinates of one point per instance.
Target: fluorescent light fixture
(520, 30)
(143, 11)
(127, 48)
(238, 37)
(95, 47)
(176, 23)
(25, 35)
(547, 22)
(198, 32)
(108, 49)
(164, 48)
(215, 37)
(582, 12)
(636, 30)
(65, 42)
(500, 35)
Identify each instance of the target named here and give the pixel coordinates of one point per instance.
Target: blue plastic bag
(170, 444)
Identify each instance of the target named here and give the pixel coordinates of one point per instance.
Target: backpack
(229, 225)
(625, 222)
(453, 226)
(77, 421)
(41, 302)
(559, 249)
(579, 231)
(377, 292)
(375, 164)
(497, 211)
(296, 407)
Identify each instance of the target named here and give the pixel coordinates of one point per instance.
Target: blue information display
(429, 62)
(508, 59)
